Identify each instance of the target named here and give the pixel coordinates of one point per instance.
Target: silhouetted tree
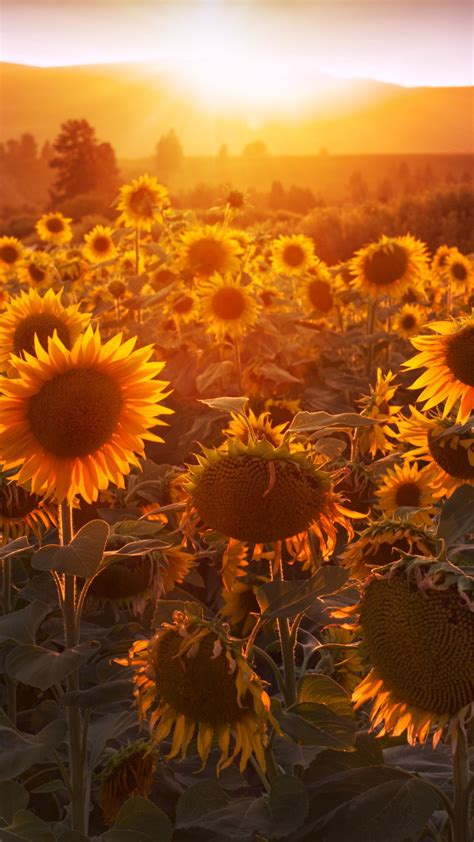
(358, 189)
(83, 164)
(255, 150)
(277, 196)
(169, 153)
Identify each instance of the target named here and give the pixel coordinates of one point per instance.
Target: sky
(218, 43)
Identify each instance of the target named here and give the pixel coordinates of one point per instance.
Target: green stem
(462, 794)
(287, 648)
(7, 607)
(137, 250)
(238, 363)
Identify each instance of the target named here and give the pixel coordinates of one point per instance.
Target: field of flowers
(237, 534)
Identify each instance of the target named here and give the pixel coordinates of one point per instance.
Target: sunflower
(261, 425)
(282, 409)
(227, 308)
(29, 316)
(409, 320)
(438, 264)
(22, 513)
(209, 249)
(449, 360)
(417, 623)
(142, 203)
(75, 420)
(192, 676)
(459, 271)
(380, 544)
(128, 583)
(99, 244)
(161, 278)
(292, 255)
(127, 262)
(377, 406)
(72, 267)
(11, 252)
(407, 486)
(448, 448)
(317, 290)
(130, 771)
(54, 228)
(182, 305)
(390, 265)
(37, 270)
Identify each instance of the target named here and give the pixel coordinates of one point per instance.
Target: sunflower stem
(137, 250)
(462, 794)
(7, 607)
(371, 313)
(238, 364)
(287, 647)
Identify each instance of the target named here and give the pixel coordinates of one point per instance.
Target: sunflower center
(142, 201)
(206, 256)
(183, 305)
(408, 322)
(43, 326)
(9, 254)
(123, 580)
(76, 412)
(55, 225)
(320, 295)
(101, 244)
(161, 277)
(386, 265)
(228, 304)
(293, 255)
(452, 455)
(200, 687)
(418, 642)
(459, 271)
(408, 494)
(36, 273)
(460, 355)
(258, 500)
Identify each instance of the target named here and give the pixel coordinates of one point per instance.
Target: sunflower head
(99, 245)
(377, 405)
(390, 265)
(262, 426)
(182, 305)
(459, 271)
(382, 542)
(22, 513)
(127, 583)
(130, 771)
(292, 255)
(409, 320)
(440, 258)
(11, 252)
(208, 250)
(227, 307)
(142, 202)
(407, 486)
(317, 290)
(37, 270)
(54, 228)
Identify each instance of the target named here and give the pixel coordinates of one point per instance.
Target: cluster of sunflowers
(270, 504)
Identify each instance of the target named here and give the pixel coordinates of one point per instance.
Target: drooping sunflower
(76, 420)
(127, 583)
(377, 405)
(448, 448)
(130, 771)
(192, 676)
(261, 425)
(11, 253)
(379, 544)
(142, 202)
(459, 271)
(54, 228)
(208, 250)
(449, 361)
(417, 623)
(227, 307)
(407, 486)
(390, 265)
(317, 290)
(409, 321)
(22, 513)
(31, 315)
(99, 244)
(292, 255)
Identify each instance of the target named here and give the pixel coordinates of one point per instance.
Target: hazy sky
(419, 42)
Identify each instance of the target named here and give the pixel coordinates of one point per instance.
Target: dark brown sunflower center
(76, 412)
(408, 322)
(228, 304)
(124, 579)
(183, 305)
(418, 642)
(9, 254)
(460, 355)
(55, 225)
(200, 687)
(408, 494)
(293, 255)
(206, 256)
(43, 326)
(101, 244)
(117, 289)
(320, 295)
(452, 455)
(258, 500)
(142, 201)
(36, 273)
(459, 271)
(161, 278)
(386, 265)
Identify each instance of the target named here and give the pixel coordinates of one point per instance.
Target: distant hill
(131, 105)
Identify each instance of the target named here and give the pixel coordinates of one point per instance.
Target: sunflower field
(237, 533)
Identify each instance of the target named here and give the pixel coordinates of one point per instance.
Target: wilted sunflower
(99, 244)
(54, 228)
(377, 406)
(37, 270)
(390, 265)
(317, 290)
(192, 676)
(261, 425)
(407, 486)
(22, 513)
(417, 623)
(448, 448)
(75, 420)
(459, 271)
(449, 361)
(226, 306)
(142, 202)
(380, 544)
(409, 320)
(130, 771)
(292, 255)
(11, 253)
(31, 315)
(208, 250)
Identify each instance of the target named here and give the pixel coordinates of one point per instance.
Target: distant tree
(223, 153)
(300, 199)
(169, 153)
(358, 189)
(384, 191)
(255, 150)
(83, 164)
(277, 196)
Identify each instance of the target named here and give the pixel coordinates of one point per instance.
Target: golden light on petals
(227, 307)
(11, 251)
(391, 265)
(54, 228)
(99, 245)
(407, 486)
(208, 250)
(142, 202)
(292, 255)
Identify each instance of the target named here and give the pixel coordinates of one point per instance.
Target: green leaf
(319, 688)
(20, 751)
(21, 626)
(206, 805)
(286, 599)
(81, 557)
(197, 801)
(72, 836)
(140, 821)
(308, 422)
(310, 724)
(19, 545)
(27, 826)
(13, 797)
(457, 516)
(40, 667)
(51, 786)
(225, 404)
(288, 804)
(99, 696)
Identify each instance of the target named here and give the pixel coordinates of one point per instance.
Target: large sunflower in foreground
(31, 315)
(142, 202)
(390, 265)
(447, 447)
(449, 361)
(382, 542)
(191, 676)
(76, 420)
(227, 307)
(417, 622)
(54, 228)
(292, 255)
(22, 513)
(99, 245)
(208, 250)
(11, 252)
(407, 486)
